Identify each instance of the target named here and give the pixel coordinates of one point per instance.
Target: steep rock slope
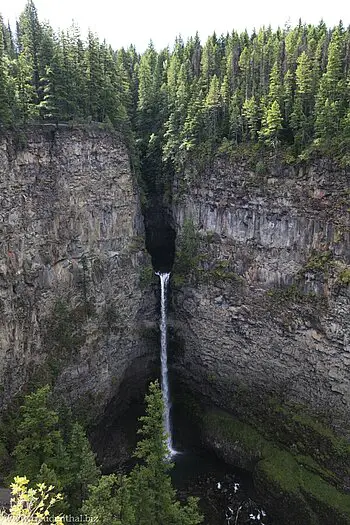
(70, 259)
(265, 313)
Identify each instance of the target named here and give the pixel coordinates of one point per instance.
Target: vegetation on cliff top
(289, 86)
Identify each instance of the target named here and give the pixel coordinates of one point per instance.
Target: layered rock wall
(71, 253)
(268, 311)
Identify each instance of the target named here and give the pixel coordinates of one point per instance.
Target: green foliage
(326, 263)
(152, 492)
(287, 293)
(110, 501)
(187, 250)
(52, 453)
(260, 168)
(251, 113)
(294, 475)
(146, 495)
(61, 459)
(4, 456)
(64, 332)
(33, 505)
(271, 124)
(50, 479)
(147, 276)
(152, 448)
(57, 77)
(219, 271)
(40, 439)
(284, 87)
(344, 276)
(319, 261)
(151, 489)
(81, 468)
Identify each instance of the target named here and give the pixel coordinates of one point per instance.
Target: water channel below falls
(226, 493)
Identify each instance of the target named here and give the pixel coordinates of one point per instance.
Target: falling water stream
(164, 281)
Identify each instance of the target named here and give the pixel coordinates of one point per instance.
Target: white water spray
(164, 281)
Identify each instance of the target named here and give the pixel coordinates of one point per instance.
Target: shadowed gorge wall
(265, 311)
(261, 332)
(72, 311)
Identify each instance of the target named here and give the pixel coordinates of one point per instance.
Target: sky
(122, 22)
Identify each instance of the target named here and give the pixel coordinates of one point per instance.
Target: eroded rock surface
(71, 254)
(267, 313)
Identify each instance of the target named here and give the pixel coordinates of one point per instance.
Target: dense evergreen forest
(286, 89)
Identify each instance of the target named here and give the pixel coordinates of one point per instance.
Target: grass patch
(281, 468)
(314, 486)
(220, 271)
(234, 430)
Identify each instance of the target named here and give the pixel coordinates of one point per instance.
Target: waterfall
(164, 281)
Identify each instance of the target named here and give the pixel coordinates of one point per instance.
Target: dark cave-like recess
(160, 237)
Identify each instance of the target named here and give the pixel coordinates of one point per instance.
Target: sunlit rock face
(71, 255)
(268, 314)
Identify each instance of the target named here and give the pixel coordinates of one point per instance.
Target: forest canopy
(284, 88)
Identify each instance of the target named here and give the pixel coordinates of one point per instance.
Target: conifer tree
(81, 468)
(301, 118)
(40, 439)
(146, 496)
(212, 110)
(5, 97)
(236, 128)
(110, 501)
(288, 95)
(151, 489)
(180, 105)
(94, 76)
(275, 86)
(30, 35)
(271, 125)
(250, 113)
(330, 102)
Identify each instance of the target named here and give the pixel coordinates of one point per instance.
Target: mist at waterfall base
(226, 493)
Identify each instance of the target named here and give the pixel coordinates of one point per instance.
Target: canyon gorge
(259, 327)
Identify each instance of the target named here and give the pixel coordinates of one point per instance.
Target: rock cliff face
(71, 233)
(266, 312)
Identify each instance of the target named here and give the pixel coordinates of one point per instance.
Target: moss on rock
(295, 487)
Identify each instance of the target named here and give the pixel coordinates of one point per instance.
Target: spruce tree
(250, 113)
(40, 440)
(109, 501)
(81, 468)
(179, 105)
(271, 125)
(5, 96)
(151, 489)
(30, 34)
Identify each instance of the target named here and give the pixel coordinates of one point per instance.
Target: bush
(32, 506)
(344, 276)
